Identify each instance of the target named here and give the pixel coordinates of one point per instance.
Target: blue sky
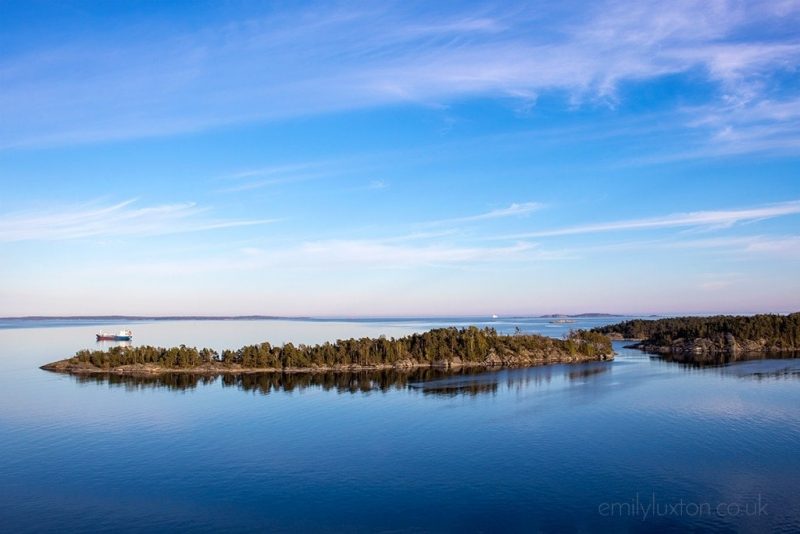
(399, 158)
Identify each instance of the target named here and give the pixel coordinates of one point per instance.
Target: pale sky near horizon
(399, 158)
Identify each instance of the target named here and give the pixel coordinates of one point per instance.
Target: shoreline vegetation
(715, 339)
(441, 348)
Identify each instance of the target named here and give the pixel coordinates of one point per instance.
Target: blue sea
(634, 445)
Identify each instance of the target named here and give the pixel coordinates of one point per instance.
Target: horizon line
(586, 315)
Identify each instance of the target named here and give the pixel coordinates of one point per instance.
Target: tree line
(470, 344)
(781, 331)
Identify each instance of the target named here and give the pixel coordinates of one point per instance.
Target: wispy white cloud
(766, 125)
(776, 246)
(513, 210)
(715, 285)
(275, 170)
(718, 281)
(377, 184)
(122, 219)
(275, 175)
(757, 247)
(350, 255)
(708, 219)
(448, 248)
(320, 60)
(773, 247)
(377, 253)
(748, 246)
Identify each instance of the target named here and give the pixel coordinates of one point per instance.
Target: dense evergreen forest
(444, 347)
(720, 333)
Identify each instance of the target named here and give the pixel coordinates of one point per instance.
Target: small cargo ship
(122, 335)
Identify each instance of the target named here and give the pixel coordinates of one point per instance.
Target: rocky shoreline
(728, 344)
(704, 351)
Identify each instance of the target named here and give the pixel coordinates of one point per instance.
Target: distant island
(122, 318)
(579, 315)
(439, 348)
(710, 339)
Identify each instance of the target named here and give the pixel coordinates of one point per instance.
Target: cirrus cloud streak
(122, 219)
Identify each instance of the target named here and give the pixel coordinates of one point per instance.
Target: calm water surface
(580, 448)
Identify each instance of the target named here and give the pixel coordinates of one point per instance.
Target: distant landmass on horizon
(294, 317)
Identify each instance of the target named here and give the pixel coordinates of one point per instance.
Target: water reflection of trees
(266, 383)
(470, 381)
(176, 381)
(773, 375)
(752, 365)
(587, 372)
(718, 358)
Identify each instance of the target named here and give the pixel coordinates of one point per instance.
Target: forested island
(706, 339)
(439, 348)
